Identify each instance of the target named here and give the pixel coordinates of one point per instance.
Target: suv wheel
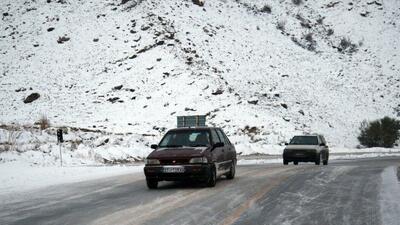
(285, 162)
(318, 160)
(212, 178)
(325, 162)
(232, 172)
(152, 184)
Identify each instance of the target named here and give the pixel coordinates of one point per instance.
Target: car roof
(308, 135)
(193, 128)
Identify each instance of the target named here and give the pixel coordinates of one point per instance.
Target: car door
(226, 162)
(231, 151)
(324, 149)
(218, 153)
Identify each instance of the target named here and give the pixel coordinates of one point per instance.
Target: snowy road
(344, 192)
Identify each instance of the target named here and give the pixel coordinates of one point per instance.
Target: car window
(226, 137)
(304, 140)
(323, 139)
(222, 137)
(181, 138)
(214, 136)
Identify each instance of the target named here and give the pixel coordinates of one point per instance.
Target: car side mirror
(322, 144)
(286, 143)
(218, 145)
(154, 146)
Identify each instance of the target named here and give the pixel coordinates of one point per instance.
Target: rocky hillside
(263, 70)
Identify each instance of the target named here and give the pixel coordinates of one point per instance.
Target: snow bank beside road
(256, 148)
(390, 196)
(264, 159)
(17, 176)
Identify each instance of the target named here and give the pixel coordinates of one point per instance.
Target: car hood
(301, 147)
(183, 152)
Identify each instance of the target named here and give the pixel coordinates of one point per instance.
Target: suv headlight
(151, 161)
(198, 160)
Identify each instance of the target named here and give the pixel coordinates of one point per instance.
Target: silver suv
(306, 148)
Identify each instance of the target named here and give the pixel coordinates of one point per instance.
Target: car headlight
(152, 161)
(198, 160)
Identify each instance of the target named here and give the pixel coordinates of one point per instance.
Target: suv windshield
(192, 138)
(304, 140)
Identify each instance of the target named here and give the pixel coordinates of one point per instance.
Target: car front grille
(174, 161)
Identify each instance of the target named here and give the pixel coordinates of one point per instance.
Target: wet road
(344, 192)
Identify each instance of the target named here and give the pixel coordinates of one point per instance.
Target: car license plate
(174, 169)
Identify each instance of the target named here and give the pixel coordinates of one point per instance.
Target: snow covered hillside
(262, 70)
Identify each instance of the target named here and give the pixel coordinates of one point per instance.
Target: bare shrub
(346, 45)
(43, 123)
(11, 144)
(329, 32)
(266, 9)
(309, 37)
(75, 144)
(281, 25)
(310, 42)
(297, 2)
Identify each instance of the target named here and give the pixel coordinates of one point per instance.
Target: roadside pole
(60, 140)
(60, 155)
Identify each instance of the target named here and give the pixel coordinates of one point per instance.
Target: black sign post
(60, 140)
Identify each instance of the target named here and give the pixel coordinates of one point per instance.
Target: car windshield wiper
(172, 146)
(199, 145)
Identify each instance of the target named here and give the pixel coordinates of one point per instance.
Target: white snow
(268, 81)
(390, 196)
(224, 45)
(19, 176)
(344, 156)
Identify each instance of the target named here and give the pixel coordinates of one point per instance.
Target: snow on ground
(37, 147)
(251, 149)
(34, 161)
(19, 176)
(228, 59)
(390, 196)
(260, 81)
(343, 156)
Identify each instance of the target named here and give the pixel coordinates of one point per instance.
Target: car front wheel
(285, 162)
(232, 172)
(212, 178)
(152, 184)
(318, 160)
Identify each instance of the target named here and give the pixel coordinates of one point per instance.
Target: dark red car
(200, 153)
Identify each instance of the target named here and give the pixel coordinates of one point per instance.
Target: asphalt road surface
(344, 192)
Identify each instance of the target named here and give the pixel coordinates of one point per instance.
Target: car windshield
(181, 138)
(304, 140)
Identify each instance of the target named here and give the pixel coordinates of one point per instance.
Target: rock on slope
(314, 67)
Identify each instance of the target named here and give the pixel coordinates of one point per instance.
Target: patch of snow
(20, 176)
(225, 45)
(390, 196)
